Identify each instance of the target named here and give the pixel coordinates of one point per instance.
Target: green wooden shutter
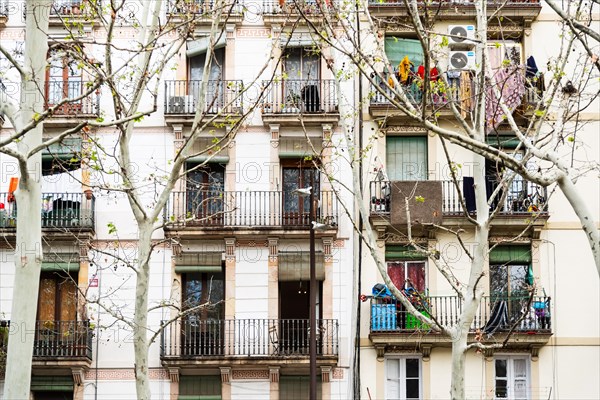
(400, 252)
(406, 158)
(511, 254)
(199, 387)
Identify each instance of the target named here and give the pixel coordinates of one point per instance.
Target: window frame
(402, 374)
(510, 377)
(422, 173)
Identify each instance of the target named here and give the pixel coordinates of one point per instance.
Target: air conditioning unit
(181, 105)
(461, 60)
(460, 34)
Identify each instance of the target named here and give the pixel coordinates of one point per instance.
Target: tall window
(403, 378)
(301, 89)
(512, 377)
(57, 300)
(204, 188)
(511, 276)
(215, 87)
(298, 175)
(406, 158)
(64, 81)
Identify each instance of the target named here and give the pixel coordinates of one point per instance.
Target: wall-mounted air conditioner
(181, 105)
(460, 60)
(461, 35)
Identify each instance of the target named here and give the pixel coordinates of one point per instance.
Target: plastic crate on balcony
(383, 317)
(413, 323)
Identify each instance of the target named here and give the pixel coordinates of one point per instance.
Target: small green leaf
(420, 199)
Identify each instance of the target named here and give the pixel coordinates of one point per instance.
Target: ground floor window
(403, 378)
(297, 387)
(205, 387)
(512, 377)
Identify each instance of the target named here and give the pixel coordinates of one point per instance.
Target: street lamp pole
(312, 325)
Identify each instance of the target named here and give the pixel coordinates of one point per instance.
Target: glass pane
(520, 368)
(393, 369)
(520, 389)
(500, 368)
(310, 66)
(412, 367)
(501, 389)
(518, 279)
(412, 388)
(291, 177)
(499, 280)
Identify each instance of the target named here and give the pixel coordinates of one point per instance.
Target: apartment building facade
(236, 234)
(538, 243)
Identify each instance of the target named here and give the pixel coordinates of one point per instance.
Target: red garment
(421, 72)
(434, 74)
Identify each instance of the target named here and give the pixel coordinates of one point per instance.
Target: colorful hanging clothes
(404, 70)
(510, 83)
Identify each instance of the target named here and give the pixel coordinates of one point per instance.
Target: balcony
(223, 97)
(203, 210)
(458, 9)
(202, 11)
(60, 212)
(438, 101)
(209, 342)
(527, 319)
(525, 205)
(69, 113)
(66, 343)
(313, 99)
(3, 12)
(75, 13)
(280, 11)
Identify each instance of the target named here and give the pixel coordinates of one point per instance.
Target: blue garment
(532, 69)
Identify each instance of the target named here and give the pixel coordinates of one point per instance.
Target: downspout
(99, 275)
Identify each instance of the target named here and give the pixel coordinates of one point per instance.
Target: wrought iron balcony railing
(293, 96)
(204, 7)
(181, 97)
(57, 339)
(308, 7)
(58, 210)
(194, 337)
(495, 314)
(455, 3)
(439, 95)
(215, 208)
(59, 90)
(523, 198)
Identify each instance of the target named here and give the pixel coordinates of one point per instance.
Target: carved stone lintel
(225, 374)
(535, 351)
(325, 374)
(274, 374)
(426, 350)
(405, 129)
(174, 375)
(273, 249)
(78, 375)
(380, 349)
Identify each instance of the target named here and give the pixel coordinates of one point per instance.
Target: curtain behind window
(396, 49)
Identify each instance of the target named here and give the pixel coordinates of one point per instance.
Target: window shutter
(510, 254)
(396, 49)
(392, 379)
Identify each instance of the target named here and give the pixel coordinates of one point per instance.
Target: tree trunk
(459, 355)
(140, 319)
(28, 245)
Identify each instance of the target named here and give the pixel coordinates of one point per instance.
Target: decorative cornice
(273, 249)
(230, 244)
(404, 129)
(274, 374)
(174, 375)
(325, 374)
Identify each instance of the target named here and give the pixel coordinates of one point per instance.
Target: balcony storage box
(383, 317)
(413, 323)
